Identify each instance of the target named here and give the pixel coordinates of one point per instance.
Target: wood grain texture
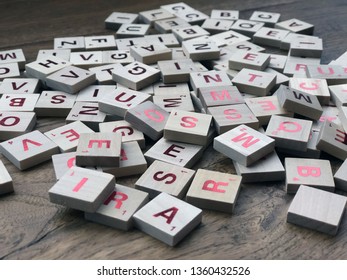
(33, 228)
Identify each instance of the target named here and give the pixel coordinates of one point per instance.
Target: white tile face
(13, 124)
(177, 7)
(152, 16)
(199, 80)
(95, 93)
(214, 26)
(67, 136)
(192, 16)
(317, 87)
(73, 43)
(127, 30)
(225, 14)
(86, 59)
(82, 189)
(100, 42)
(117, 210)
(250, 60)
(247, 27)
(166, 25)
(117, 56)
(176, 71)
(227, 38)
(244, 145)
(6, 183)
(200, 50)
(116, 19)
(270, 36)
(150, 53)
(13, 56)
(63, 54)
(334, 74)
(171, 102)
(308, 47)
(124, 44)
(269, 19)
(296, 66)
(278, 62)
(296, 26)
(339, 94)
(167, 218)
(214, 190)
(104, 73)
(244, 46)
(312, 172)
(29, 149)
(9, 70)
(54, 104)
(19, 85)
(18, 102)
(165, 177)
(317, 210)
(190, 32)
(172, 88)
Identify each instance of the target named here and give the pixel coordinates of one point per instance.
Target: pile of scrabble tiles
(149, 101)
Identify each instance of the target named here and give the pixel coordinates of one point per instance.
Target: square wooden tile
(86, 59)
(317, 87)
(308, 47)
(63, 54)
(250, 60)
(228, 37)
(166, 25)
(339, 94)
(18, 102)
(189, 32)
(13, 56)
(176, 70)
(95, 93)
(297, 66)
(54, 104)
(172, 102)
(6, 182)
(13, 124)
(270, 36)
(73, 43)
(9, 70)
(150, 53)
(167, 218)
(333, 74)
(214, 190)
(198, 50)
(117, 56)
(101, 42)
(200, 80)
(296, 26)
(268, 18)
(215, 26)
(116, 19)
(225, 14)
(19, 85)
(247, 27)
(132, 30)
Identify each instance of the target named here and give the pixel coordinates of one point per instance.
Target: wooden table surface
(33, 228)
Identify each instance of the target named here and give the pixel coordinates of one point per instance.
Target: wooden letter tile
(269, 19)
(230, 15)
(250, 60)
(13, 124)
(9, 70)
(116, 19)
(18, 102)
(72, 43)
(151, 16)
(15, 56)
(63, 54)
(131, 30)
(189, 32)
(228, 37)
(308, 47)
(102, 42)
(333, 74)
(54, 104)
(167, 218)
(214, 26)
(19, 85)
(198, 50)
(176, 71)
(296, 26)
(150, 53)
(247, 27)
(177, 101)
(199, 80)
(86, 60)
(317, 87)
(270, 36)
(6, 183)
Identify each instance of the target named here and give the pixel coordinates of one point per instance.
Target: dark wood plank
(33, 228)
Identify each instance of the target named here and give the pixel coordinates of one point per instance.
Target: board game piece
(117, 56)
(103, 73)
(150, 53)
(193, 16)
(167, 218)
(67, 136)
(13, 56)
(54, 104)
(289, 133)
(94, 93)
(268, 18)
(312, 172)
(19, 85)
(285, 44)
(189, 32)
(254, 82)
(124, 44)
(214, 26)
(132, 30)
(230, 116)
(214, 190)
(177, 101)
(177, 70)
(250, 60)
(308, 47)
(82, 189)
(244, 46)
(9, 70)
(72, 43)
(86, 59)
(230, 15)
(179, 153)
(63, 54)
(280, 78)
(267, 169)
(116, 19)
(200, 80)
(165, 177)
(171, 88)
(278, 62)
(246, 27)
(296, 26)
(244, 144)
(166, 25)
(316, 209)
(338, 94)
(296, 66)
(99, 149)
(228, 37)
(13, 124)
(18, 102)
(343, 117)
(270, 36)
(118, 209)
(29, 149)
(333, 74)
(6, 183)
(198, 50)
(101, 42)
(152, 16)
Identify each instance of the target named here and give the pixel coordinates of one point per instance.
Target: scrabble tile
(268, 18)
(299, 102)
(136, 75)
(166, 25)
(131, 30)
(192, 16)
(19, 85)
(116, 19)
(88, 113)
(198, 50)
(176, 7)
(176, 71)
(285, 44)
(219, 96)
(296, 66)
(200, 80)
(172, 102)
(317, 87)
(119, 101)
(132, 161)
(289, 133)
(124, 44)
(296, 26)
(244, 144)
(9, 70)
(225, 14)
(214, 26)
(6, 183)
(167, 219)
(86, 59)
(95, 93)
(99, 149)
(165, 177)
(267, 169)
(333, 74)
(278, 62)
(230, 116)
(250, 60)
(72, 43)
(254, 82)
(171, 88)
(189, 32)
(70, 79)
(151, 16)
(340, 177)
(150, 53)
(312, 172)
(169, 40)
(214, 190)
(12, 56)
(103, 73)
(247, 27)
(117, 56)
(308, 47)
(46, 66)
(244, 46)
(54, 104)
(67, 136)
(270, 36)
(338, 94)
(102, 42)
(18, 102)
(82, 189)
(265, 107)
(148, 118)
(316, 209)
(228, 37)
(329, 114)
(181, 154)
(29, 149)
(63, 54)
(13, 124)
(118, 209)
(188, 127)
